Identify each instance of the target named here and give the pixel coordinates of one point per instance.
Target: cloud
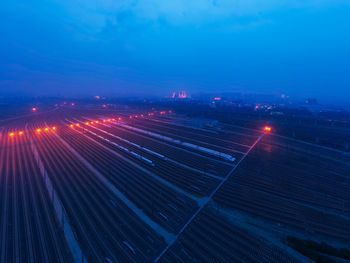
(179, 12)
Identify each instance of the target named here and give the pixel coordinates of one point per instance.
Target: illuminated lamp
(267, 129)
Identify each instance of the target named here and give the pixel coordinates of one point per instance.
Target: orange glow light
(12, 134)
(20, 132)
(54, 128)
(120, 118)
(46, 129)
(92, 122)
(104, 120)
(97, 121)
(109, 119)
(38, 130)
(113, 119)
(87, 123)
(267, 129)
(77, 124)
(71, 125)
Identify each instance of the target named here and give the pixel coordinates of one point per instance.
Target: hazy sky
(76, 47)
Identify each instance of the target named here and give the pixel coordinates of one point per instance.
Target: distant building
(311, 101)
(180, 95)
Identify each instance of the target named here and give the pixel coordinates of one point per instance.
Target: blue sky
(83, 47)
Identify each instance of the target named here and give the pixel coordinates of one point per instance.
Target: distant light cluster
(46, 129)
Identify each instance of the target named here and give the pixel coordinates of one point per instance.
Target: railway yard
(92, 185)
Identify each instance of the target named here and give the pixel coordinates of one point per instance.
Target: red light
(141, 115)
(120, 118)
(20, 132)
(267, 129)
(182, 94)
(12, 134)
(38, 130)
(217, 98)
(34, 109)
(130, 117)
(73, 104)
